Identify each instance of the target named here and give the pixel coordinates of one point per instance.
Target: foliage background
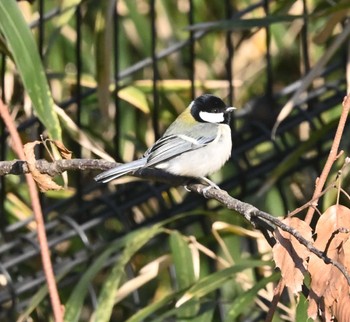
(137, 251)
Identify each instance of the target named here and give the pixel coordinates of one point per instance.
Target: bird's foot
(210, 186)
(210, 183)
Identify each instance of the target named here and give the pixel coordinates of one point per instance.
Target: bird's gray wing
(168, 147)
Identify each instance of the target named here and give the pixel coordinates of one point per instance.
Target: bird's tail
(121, 170)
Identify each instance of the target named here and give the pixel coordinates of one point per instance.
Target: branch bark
(255, 216)
(54, 168)
(261, 220)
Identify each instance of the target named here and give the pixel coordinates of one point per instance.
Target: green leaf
(139, 21)
(135, 97)
(182, 259)
(200, 289)
(241, 303)
(109, 290)
(184, 269)
(20, 42)
(301, 311)
(75, 302)
(67, 10)
(212, 282)
(103, 49)
(205, 315)
(152, 308)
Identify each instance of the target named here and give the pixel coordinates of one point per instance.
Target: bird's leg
(211, 185)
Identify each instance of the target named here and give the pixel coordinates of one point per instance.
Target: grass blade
(76, 300)
(184, 268)
(200, 289)
(211, 282)
(109, 290)
(242, 302)
(20, 42)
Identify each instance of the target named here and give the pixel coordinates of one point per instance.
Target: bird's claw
(211, 184)
(206, 189)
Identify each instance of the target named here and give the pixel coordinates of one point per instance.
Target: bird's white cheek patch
(212, 117)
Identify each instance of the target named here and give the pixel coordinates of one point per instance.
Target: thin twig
(276, 297)
(34, 196)
(310, 203)
(332, 157)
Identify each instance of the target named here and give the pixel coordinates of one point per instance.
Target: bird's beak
(229, 109)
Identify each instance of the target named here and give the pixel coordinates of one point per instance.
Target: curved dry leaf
(65, 153)
(329, 290)
(291, 256)
(44, 181)
(342, 310)
(146, 274)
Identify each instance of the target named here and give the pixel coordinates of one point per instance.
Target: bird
(196, 144)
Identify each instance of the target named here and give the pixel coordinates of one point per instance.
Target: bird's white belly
(203, 161)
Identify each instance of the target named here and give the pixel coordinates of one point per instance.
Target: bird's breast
(205, 160)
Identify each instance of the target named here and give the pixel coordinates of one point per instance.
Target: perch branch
(54, 168)
(252, 213)
(259, 219)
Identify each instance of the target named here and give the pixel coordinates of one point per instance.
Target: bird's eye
(216, 110)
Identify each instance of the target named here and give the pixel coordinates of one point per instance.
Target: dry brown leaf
(329, 290)
(44, 181)
(65, 153)
(291, 256)
(342, 309)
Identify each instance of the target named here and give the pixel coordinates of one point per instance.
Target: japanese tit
(196, 144)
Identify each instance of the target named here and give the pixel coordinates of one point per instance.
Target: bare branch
(259, 219)
(252, 214)
(56, 167)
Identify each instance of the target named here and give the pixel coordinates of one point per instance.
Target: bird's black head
(208, 108)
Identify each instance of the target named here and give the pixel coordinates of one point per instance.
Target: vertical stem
(333, 154)
(3, 148)
(230, 52)
(117, 124)
(155, 118)
(38, 215)
(192, 50)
